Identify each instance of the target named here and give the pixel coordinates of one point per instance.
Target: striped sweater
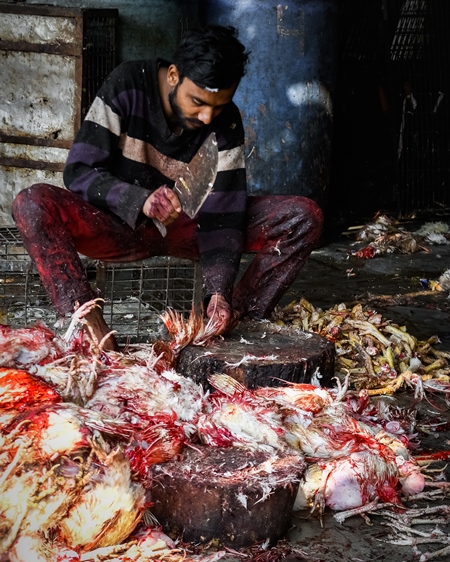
(125, 150)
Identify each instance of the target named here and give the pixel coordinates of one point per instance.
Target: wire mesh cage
(135, 293)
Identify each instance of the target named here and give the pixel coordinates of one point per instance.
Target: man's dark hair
(211, 57)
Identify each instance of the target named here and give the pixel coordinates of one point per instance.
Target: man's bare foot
(100, 329)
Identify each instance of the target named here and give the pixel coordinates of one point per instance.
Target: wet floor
(395, 285)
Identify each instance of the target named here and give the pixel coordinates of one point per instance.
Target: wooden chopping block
(236, 496)
(261, 354)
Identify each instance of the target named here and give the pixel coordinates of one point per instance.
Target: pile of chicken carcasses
(82, 430)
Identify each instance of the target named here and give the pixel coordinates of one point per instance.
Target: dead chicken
(62, 480)
(384, 235)
(20, 347)
(235, 417)
(352, 463)
(138, 391)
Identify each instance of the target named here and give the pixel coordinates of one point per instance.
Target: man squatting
(147, 121)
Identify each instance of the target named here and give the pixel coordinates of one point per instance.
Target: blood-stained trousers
(57, 225)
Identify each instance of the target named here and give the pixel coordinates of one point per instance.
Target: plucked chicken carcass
(355, 462)
(358, 478)
(348, 482)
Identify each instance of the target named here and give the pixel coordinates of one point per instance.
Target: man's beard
(178, 117)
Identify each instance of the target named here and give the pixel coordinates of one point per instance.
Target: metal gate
(420, 59)
(392, 116)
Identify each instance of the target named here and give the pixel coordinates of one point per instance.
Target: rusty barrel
(286, 96)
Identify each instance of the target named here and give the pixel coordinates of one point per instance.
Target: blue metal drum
(286, 96)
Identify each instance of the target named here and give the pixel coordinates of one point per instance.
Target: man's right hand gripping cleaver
(196, 181)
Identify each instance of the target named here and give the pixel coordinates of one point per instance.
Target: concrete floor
(392, 285)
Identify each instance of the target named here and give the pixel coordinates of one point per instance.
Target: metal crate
(135, 293)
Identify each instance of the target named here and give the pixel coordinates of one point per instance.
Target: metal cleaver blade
(196, 182)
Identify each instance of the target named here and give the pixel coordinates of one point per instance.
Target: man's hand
(163, 205)
(220, 312)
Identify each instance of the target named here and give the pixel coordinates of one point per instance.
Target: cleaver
(197, 179)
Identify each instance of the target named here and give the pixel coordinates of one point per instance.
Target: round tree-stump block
(236, 496)
(262, 354)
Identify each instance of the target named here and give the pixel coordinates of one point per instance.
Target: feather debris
(376, 353)
(385, 236)
(193, 331)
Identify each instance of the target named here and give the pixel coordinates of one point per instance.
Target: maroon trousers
(56, 226)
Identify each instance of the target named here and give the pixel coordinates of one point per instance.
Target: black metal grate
(392, 109)
(359, 30)
(409, 38)
(420, 55)
(99, 51)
